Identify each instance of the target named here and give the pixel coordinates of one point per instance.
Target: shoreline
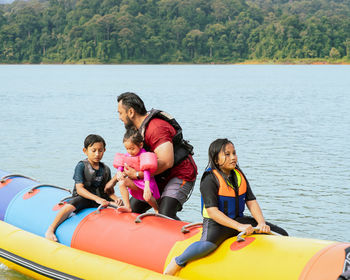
(247, 62)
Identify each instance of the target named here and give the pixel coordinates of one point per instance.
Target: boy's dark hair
(134, 136)
(214, 149)
(92, 139)
(132, 100)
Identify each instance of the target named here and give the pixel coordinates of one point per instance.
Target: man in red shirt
(177, 171)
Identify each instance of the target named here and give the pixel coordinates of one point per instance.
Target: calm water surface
(290, 126)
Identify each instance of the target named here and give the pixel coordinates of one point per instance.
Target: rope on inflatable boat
(139, 217)
(46, 185)
(3, 179)
(240, 237)
(98, 210)
(63, 200)
(185, 229)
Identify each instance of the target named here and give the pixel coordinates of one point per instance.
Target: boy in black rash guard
(225, 192)
(90, 176)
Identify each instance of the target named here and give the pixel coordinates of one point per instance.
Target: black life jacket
(90, 175)
(182, 148)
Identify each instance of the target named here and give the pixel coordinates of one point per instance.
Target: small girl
(143, 189)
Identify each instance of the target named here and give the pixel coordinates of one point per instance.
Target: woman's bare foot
(124, 209)
(172, 268)
(49, 234)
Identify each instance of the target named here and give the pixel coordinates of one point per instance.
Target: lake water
(290, 126)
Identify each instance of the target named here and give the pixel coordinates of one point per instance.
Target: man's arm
(165, 156)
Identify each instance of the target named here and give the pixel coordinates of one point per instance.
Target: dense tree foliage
(163, 31)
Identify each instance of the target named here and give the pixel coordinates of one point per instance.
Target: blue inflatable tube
(23, 200)
(33, 212)
(10, 186)
(65, 231)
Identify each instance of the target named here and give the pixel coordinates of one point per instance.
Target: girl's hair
(134, 136)
(92, 139)
(214, 149)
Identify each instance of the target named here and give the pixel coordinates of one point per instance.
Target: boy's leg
(62, 215)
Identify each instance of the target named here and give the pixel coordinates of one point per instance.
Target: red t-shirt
(158, 132)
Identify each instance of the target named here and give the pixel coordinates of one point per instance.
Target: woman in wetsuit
(225, 192)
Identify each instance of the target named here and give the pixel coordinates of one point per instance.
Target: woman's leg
(213, 235)
(277, 229)
(251, 220)
(193, 252)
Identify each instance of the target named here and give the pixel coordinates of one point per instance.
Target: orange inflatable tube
(116, 235)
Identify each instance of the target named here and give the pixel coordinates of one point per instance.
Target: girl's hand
(102, 201)
(247, 228)
(263, 228)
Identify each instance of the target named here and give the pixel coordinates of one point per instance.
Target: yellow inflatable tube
(26, 252)
(266, 257)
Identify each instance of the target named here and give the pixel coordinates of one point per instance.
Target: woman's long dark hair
(213, 153)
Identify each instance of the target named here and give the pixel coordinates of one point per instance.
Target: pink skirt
(138, 194)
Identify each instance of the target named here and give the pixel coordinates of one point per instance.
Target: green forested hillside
(173, 31)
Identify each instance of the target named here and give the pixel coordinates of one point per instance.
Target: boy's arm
(88, 195)
(109, 187)
(117, 200)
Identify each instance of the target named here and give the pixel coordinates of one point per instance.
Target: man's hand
(120, 176)
(130, 172)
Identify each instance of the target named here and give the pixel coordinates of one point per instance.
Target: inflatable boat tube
(150, 242)
(40, 258)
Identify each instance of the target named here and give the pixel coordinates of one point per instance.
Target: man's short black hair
(132, 100)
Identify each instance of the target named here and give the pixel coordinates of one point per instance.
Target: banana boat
(99, 243)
